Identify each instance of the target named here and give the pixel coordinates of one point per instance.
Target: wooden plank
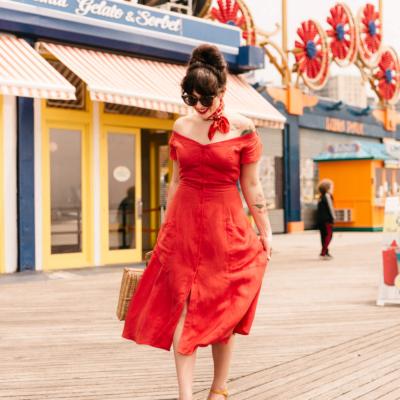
(317, 333)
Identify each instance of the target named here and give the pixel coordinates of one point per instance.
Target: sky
(268, 12)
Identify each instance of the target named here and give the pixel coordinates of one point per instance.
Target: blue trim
(292, 154)
(26, 186)
(286, 175)
(251, 57)
(72, 33)
(316, 118)
(129, 15)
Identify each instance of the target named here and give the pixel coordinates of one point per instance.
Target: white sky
(267, 12)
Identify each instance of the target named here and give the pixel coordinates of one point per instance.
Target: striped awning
(154, 85)
(23, 72)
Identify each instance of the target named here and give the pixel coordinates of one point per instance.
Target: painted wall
(353, 189)
(8, 131)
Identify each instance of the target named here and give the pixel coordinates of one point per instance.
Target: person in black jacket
(326, 215)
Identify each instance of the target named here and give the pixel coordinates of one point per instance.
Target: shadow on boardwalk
(317, 334)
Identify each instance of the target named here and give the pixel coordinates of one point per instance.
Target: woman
(326, 216)
(203, 282)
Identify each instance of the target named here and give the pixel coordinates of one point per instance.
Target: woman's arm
(173, 186)
(255, 200)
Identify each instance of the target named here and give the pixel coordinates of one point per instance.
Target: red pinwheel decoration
(388, 76)
(343, 34)
(228, 13)
(370, 40)
(312, 54)
(372, 37)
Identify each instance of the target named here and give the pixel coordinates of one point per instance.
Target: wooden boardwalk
(317, 335)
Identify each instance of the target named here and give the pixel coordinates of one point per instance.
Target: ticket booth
(364, 175)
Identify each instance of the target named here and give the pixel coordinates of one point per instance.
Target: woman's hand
(267, 244)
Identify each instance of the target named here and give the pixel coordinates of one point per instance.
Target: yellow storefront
(105, 225)
(103, 174)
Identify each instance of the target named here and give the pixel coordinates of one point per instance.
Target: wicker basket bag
(130, 281)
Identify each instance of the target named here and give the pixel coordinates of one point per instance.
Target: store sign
(143, 17)
(343, 148)
(344, 126)
(121, 173)
(392, 163)
(393, 148)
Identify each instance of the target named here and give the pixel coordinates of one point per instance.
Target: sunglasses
(206, 101)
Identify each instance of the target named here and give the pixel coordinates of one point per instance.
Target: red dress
(206, 246)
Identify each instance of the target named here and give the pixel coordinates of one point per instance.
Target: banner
(389, 285)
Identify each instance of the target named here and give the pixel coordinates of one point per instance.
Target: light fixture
(368, 110)
(339, 105)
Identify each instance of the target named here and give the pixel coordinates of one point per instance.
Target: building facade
(89, 92)
(307, 135)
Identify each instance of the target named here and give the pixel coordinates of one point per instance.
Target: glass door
(121, 195)
(66, 196)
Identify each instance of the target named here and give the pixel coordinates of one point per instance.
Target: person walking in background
(326, 216)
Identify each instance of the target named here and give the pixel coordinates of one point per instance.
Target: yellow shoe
(223, 393)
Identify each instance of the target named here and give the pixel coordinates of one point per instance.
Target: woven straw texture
(130, 280)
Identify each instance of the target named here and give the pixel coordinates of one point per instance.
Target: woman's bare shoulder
(241, 124)
(183, 123)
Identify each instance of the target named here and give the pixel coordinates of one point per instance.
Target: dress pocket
(165, 240)
(245, 249)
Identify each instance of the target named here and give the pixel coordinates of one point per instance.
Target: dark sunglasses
(206, 101)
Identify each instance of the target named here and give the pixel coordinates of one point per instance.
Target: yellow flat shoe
(223, 393)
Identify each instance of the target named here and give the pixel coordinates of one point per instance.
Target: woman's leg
(184, 364)
(222, 355)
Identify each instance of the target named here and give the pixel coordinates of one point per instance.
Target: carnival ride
(349, 40)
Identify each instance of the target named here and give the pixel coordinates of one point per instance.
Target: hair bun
(206, 73)
(209, 55)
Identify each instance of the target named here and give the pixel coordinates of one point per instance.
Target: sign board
(142, 18)
(395, 163)
(393, 148)
(389, 285)
(121, 173)
(343, 148)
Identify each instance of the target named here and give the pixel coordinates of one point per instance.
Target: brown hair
(206, 72)
(324, 185)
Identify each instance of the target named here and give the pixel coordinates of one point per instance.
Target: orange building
(364, 174)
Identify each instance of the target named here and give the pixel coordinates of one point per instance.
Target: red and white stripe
(23, 72)
(154, 85)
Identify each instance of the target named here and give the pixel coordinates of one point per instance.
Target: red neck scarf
(221, 123)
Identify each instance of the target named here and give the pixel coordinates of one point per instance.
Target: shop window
(65, 191)
(271, 179)
(122, 191)
(80, 102)
(308, 183)
(396, 184)
(379, 186)
(163, 160)
(112, 108)
(389, 182)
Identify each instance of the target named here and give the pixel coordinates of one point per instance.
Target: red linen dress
(206, 247)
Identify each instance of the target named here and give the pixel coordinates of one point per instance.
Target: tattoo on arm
(260, 203)
(248, 130)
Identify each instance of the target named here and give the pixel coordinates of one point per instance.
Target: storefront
(272, 177)
(99, 98)
(312, 144)
(319, 123)
(365, 174)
